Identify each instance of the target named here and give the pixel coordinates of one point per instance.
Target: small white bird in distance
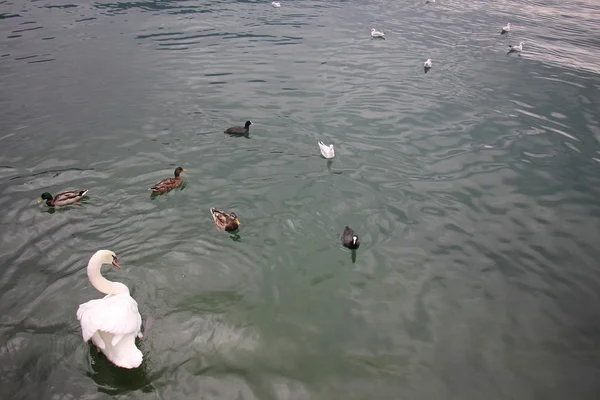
(515, 49)
(427, 65)
(505, 29)
(276, 4)
(326, 151)
(376, 34)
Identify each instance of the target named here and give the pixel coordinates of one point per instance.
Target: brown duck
(169, 183)
(223, 220)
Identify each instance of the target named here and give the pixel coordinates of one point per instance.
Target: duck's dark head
(178, 171)
(235, 218)
(248, 123)
(45, 196)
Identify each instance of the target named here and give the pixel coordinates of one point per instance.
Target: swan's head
(373, 30)
(508, 25)
(521, 44)
(108, 257)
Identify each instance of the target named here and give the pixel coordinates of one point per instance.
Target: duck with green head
(64, 198)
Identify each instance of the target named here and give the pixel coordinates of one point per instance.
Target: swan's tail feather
(124, 353)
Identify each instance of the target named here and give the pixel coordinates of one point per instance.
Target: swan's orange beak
(115, 263)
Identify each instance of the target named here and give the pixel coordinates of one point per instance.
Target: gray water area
(474, 189)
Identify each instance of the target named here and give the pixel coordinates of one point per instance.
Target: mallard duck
(350, 239)
(169, 183)
(223, 220)
(64, 198)
(239, 130)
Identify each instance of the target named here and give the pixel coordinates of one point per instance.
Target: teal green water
(474, 189)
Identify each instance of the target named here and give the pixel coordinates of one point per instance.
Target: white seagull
(326, 151)
(276, 4)
(515, 49)
(505, 29)
(376, 34)
(428, 63)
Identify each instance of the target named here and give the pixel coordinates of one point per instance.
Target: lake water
(474, 189)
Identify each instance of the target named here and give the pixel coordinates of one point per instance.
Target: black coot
(239, 130)
(350, 239)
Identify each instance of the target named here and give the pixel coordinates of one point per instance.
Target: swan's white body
(114, 321)
(326, 151)
(505, 29)
(276, 4)
(376, 34)
(428, 63)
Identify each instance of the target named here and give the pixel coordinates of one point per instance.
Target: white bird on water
(376, 34)
(505, 29)
(326, 151)
(515, 49)
(428, 63)
(276, 4)
(114, 321)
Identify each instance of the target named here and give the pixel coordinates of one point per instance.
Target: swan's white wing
(116, 314)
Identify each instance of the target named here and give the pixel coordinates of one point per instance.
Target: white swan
(112, 322)
(505, 29)
(326, 151)
(376, 34)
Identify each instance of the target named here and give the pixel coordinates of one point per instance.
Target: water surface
(474, 189)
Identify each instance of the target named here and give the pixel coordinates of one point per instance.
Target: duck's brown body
(223, 220)
(169, 183)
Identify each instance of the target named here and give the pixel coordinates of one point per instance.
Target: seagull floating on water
(515, 49)
(326, 151)
(427, 65)
(505, 29)
(276, 4)
(376, 34)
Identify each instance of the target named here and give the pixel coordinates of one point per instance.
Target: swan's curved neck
(99, 282)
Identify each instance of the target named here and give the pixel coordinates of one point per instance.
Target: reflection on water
(114, 380)
(474, 189)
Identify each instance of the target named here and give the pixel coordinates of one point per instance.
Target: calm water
(474, 189)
